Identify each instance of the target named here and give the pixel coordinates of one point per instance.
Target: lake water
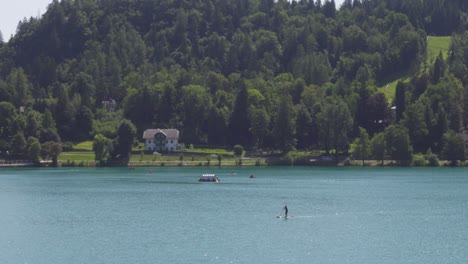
(163, 215)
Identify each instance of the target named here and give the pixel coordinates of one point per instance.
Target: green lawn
(85, 145)
(196, 159)
(434, 46)
(88, 146)
(390, 88)
(217, 151)
(188, 159)
(76, 156)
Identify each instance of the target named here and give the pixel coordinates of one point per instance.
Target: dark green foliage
(18, 145)
(239, 122)
(398, 145)
(284, 127)
(33, 149)
(400, 100)
(378, 147)
(453, 147)
(51, 150)
(439, 68)
(238, 150)
(432, 159)
(335, 122)
(362, 146)
(414, 120)
(261, 73)
(83, 124)
(123, 143)
(378, 113)
(103, 149)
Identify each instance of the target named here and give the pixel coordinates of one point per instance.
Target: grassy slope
(85, 145)
(434, 46)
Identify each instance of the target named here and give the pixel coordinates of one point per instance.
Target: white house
(161, 139)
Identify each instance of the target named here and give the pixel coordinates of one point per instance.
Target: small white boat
(208, 178)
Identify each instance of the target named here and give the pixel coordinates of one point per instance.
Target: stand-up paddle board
(284, 217)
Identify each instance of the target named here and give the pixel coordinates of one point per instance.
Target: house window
(172, 141)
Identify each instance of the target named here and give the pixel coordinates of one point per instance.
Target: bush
(238, 150)
(67, 146)
(286, 160)
(433, 160)
(347, 162)
(419, 160)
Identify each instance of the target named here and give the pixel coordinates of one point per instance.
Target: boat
(208, 178)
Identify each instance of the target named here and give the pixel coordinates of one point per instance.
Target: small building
(161, 139)
(109, 105)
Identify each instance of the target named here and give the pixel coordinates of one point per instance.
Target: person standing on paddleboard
(285, 211)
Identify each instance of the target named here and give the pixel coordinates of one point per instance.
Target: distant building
(162, 140)
(109, 105)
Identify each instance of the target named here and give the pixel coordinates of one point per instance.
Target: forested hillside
(264, 74)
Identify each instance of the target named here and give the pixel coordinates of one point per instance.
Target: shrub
(347, 162)
(67, 146)
(419, 160)
(238, 150)
(433, 160)
(286, 160)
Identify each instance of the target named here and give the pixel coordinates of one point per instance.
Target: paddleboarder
(285, 211)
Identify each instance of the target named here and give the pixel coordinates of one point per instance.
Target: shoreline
(133, 165)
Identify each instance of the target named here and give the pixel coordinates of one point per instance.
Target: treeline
(261, 73)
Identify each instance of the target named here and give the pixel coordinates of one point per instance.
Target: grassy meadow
(435, 45)
(83, 154)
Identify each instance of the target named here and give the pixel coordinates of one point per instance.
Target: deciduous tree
(361, 146)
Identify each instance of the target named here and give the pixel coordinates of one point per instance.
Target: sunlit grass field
(83, 154)
(434, 46)
(85, 145)
(76, 156)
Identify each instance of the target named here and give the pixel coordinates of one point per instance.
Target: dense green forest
(265, 74)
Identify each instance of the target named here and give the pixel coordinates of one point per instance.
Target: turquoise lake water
(163, 215)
